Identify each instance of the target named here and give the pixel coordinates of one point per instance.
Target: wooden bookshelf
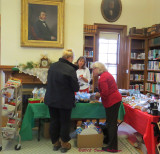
(153, 62)
(137, 62)
(89, 53)
(136, 81)
(137, 59)
(153, 70)
(89, 48)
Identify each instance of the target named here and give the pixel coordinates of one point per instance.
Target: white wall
(155, 18)
(12, 53)
(135, 13)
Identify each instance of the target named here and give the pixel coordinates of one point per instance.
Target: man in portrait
(41, 30)
(111, 9)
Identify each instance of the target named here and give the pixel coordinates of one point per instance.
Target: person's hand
(53, 38)
(97, 95)
(81, 76)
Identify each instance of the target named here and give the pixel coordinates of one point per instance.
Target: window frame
(122, 75)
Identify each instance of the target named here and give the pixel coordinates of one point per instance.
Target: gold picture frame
(42, 23)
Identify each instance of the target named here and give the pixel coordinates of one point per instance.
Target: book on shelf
(158, 89)
(152, 76)
(154, 54)
(153, 65)
(131, 77)
(153, 29)
(139, 32)
(147, 86)
(153, 88)
(154, 41)
(137, 55)
(90, 28)
(137, 66)
(139, 87)
(137, 77)
(88, 53)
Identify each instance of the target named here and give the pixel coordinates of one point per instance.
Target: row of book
(154, 41)
(135, 31)
(153, 29)
(154, 77)
(139, 87)
(90, 28)
(154, 88)
(137, 66)
(137, 77)
(154, 54)
(145, 31)
(88, 53)
(137, 55)
(153, 65)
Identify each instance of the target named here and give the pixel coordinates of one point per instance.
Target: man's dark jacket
(62, 85)
(42, 32)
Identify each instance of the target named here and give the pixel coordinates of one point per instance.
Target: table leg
(39, 128)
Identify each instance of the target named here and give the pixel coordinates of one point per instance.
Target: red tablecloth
(141, 121)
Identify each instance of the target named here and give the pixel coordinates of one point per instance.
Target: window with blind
(108, 51)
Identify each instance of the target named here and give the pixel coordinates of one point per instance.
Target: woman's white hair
(67, 53)
(101, 67)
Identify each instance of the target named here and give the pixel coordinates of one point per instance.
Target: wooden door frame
(122, 81)
(0, 81)
(0, 57)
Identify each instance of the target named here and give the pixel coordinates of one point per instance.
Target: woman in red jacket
(111, 100)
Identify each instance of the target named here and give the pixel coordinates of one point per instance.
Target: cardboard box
(46, 130)
(90, 141)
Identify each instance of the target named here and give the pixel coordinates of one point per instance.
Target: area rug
(44, 146)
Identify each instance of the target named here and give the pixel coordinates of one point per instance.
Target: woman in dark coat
(62, 83)
(111, 99)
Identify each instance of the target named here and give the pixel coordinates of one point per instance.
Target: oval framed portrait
(111, 10)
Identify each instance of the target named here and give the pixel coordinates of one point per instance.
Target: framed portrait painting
(111, 10)
(42, 23)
